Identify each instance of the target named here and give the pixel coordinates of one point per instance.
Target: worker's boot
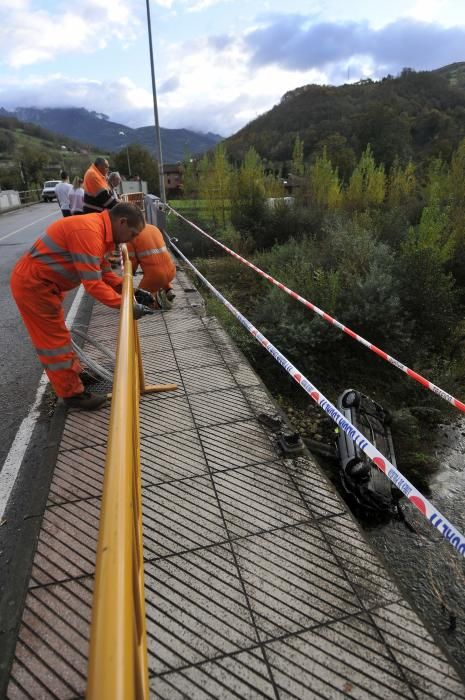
(162, 300)
(86, 401)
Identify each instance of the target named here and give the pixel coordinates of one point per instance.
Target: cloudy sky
(219, 63)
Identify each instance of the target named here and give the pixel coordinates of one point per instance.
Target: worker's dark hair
(64, 175)
(100, 160)
(131, 212)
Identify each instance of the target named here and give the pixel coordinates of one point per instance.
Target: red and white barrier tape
(410, 372)
(447, 530)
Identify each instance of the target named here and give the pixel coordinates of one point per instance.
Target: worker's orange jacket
(98, 195)
(72, 251)
(149, 251)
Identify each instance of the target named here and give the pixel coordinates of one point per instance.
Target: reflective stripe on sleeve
(66, 364)
(51, 352)
(90, 274)
(151, 251)
(85, 258)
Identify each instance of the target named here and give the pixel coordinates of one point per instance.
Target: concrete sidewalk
(259, 583)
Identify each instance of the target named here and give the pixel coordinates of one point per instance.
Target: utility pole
(155, 111)
(123, 133)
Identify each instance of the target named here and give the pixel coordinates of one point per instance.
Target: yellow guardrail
(118, 667)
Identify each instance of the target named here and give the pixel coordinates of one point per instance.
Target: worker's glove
(144, 297)
(140, 310)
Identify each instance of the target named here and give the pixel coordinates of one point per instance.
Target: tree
(248, 195)
(190, 178)
(297, 167)
(324, 184)
(215, 185)
(143, 165)
(402, 184)
(34, 162)
(367, 185)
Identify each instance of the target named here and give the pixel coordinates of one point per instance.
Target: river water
(427, 568)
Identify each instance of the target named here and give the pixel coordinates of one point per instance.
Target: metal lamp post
(155, 111)
(122, 133)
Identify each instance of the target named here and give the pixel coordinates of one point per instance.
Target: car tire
(351, 399)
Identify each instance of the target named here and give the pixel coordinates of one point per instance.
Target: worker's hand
(140, 310)
(144, 297)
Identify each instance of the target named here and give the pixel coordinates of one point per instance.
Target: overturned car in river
(360, 478)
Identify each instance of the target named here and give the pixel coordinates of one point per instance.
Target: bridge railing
(29, 196)
(118, 649)
(118, 668)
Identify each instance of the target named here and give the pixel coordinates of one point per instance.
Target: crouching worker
(69, 253)
(149, 251)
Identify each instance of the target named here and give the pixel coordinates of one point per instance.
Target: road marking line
(27, 226)
(14, 459)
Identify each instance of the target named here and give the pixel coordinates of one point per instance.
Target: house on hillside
(172, 175)
(292, 184)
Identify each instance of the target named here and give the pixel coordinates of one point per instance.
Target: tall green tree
(401, 184)
(324, 184)
(367, 185)
(297, 166)
(143, 165)
(215, 185)
(190, 178)
(248, 194)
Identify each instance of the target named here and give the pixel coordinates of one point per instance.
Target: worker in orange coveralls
(71, 251)
(149, 251)
(98, 193)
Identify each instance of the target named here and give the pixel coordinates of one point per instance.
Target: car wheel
(351, 399)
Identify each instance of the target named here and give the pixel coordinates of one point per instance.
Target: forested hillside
(382, 250)
(414, 116)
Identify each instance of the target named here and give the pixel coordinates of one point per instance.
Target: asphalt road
(20, 369)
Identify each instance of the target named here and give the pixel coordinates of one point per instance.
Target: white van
(48, 190)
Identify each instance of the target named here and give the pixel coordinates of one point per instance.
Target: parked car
(360, 477)
(48, 190)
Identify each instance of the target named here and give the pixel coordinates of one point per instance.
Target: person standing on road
(62, 191)
(69, 253)
(98, 194)
(150, 252)
(76, 197)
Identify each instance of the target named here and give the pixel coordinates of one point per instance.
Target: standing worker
(149, 251)
(62, 192)
(68, 253)
(98, 195)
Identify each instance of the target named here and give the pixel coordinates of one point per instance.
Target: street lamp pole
(129, 162)
(123, 133)
(155, 111)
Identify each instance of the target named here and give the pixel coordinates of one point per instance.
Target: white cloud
(29, 36)
(218, 92)
(199, 5)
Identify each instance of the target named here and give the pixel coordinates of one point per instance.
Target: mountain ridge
(96, 129)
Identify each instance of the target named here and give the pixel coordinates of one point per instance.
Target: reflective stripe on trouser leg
(40, 306)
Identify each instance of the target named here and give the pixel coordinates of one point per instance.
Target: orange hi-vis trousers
(149, 251)
(40, 305)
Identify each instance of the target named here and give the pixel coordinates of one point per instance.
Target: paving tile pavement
(259, 583)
